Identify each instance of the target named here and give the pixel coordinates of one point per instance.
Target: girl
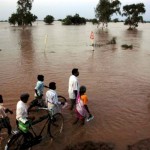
(81, 106)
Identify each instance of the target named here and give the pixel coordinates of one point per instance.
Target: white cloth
(73, 86)
(2, 111)
(21, 110)
(39, 87)
(52, 101)
(52, 97)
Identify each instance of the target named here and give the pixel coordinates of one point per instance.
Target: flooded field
(117, 79)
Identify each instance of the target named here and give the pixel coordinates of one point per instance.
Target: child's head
(40, 77)
(82, 90)
(24, 97)
(52, 85)
(1, 99)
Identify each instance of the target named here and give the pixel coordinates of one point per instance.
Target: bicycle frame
(48, 117)
(21, 140)
(42, 104)
(36, 138)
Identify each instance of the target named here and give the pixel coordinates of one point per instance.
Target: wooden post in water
(92, 39)
(45, 42)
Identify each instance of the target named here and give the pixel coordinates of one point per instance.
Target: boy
(81, 106)
(38, 101)
(4, 120)
(52, 98)
(39, 86)
(21, 108)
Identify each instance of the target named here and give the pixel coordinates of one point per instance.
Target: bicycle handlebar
(43, 108)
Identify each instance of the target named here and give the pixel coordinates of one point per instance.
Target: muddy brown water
(117, 80)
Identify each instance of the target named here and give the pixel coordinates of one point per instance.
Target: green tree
(94, 21)
(67, 20)
(105, 9)
(132, 13)
(13, 19)
(49, 19)
(23, 16)
(74, 20)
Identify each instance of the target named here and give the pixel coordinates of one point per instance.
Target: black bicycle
(21, 140)
(39, 102)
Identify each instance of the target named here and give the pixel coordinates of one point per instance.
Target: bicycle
(39, 102)
(21, 140)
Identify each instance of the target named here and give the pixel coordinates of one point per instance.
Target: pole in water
(92, 45)
(45, 42)
(92, 39)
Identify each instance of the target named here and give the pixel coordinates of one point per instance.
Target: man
(73, 87)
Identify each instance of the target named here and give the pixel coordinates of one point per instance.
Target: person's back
(52, 98)
(84, 98)
(22, 109)
(4, 119)
(39, 86)
(22, 117)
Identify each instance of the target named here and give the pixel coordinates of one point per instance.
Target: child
(39, 88)
(81, 106)
(22, 116)
(4, 120)
(52, 98)
(21, 108)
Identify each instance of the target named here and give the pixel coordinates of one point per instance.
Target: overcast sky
(59, 9)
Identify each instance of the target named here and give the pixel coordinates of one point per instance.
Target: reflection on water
(117, 80)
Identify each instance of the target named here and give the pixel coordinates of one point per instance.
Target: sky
(59, 9)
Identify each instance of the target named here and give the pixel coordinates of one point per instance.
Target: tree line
(103, 13)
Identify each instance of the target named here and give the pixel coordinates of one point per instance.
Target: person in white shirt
(73, 87)
(22, 108)
(52, 98)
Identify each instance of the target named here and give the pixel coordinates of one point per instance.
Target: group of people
(77, 96)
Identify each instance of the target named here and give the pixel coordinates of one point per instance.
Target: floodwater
(117, 80)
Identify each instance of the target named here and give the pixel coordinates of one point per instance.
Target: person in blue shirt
(39, 88)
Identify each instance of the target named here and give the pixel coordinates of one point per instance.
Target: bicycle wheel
(61, 99)
(36, 103)
(55, 125)
(16, 142)
(32, 104)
